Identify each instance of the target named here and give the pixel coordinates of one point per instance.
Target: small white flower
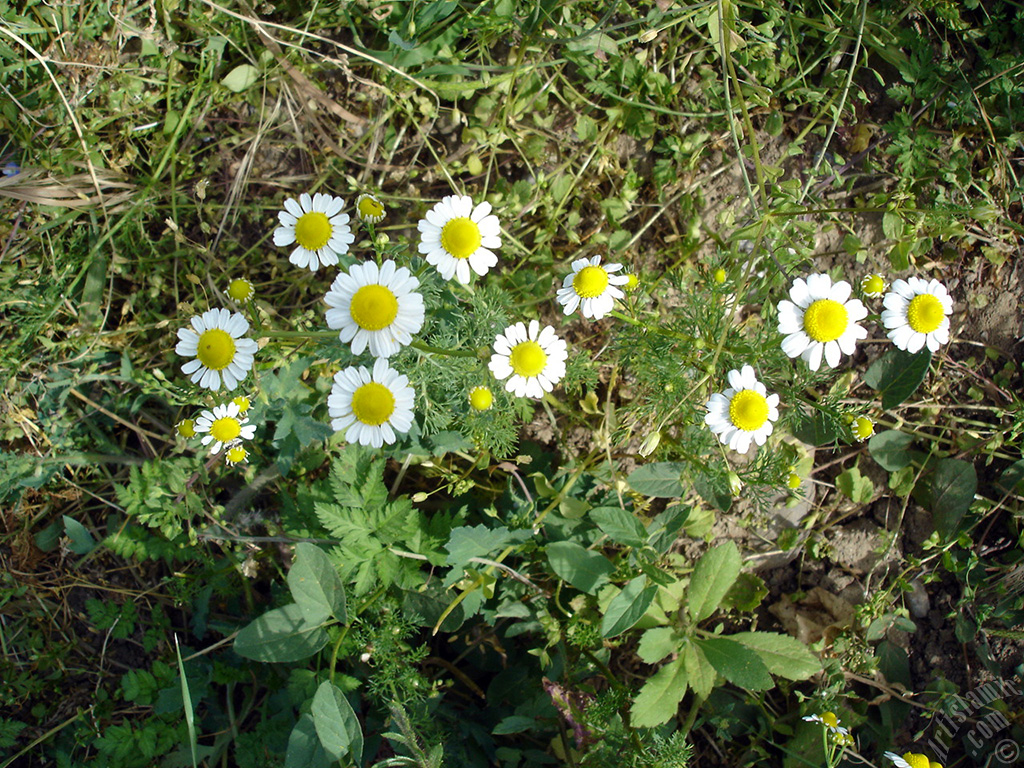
(592, 287)
(821, 320)
(375, 308)
(830, 721)
(897, 760)
(317, 227)
(744, 412)
(216, 342)
(372, 407)
(236, 454)
(873, 286)
(917, 313)
(224, 426)
(533, 358)
(369, 208)
(455, 236)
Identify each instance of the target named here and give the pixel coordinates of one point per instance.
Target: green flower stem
(432, 350)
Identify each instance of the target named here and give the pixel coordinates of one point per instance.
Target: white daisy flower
(369, 208)
(375, 307)
(592, 287)
(224, 426)
(236, 454)
(455, 236)
(373, 407)
(912, 760)
(240, 289)
(821, 320)
(917, 313)
(534, 358)
(873, 286)
(317, 227)
(744, 412)
(216, 342)
(830, 721)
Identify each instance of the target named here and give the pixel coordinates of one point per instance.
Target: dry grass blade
(81, 190)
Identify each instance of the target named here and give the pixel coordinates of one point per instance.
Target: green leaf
(315, 585)
(746, 593)
(715, 573)
(714, 490)
(1011, 477)
(240, 78)
(627, 607)
(699, 672)
(950, 493)
(854, 486)
(890, 449)
(514, 724)
(661, 479)
(621, 526)
(280, 635)
(304, 747)
(815, 428)
(336, 723)
(656, 644)
(736, 663)
(82, 542)
(897, 374)
(782, 655)
(586, 571)
(659, 699)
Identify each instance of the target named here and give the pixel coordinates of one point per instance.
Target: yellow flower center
(243, 403)
(925, 314)
(830, 719)
(719, 275)
(187, 428)
(481, 398)
(240, 289)
(370, 208)
(236, 454)
(917, 761)
(225, 429)
(374, 307)
(216, 349)
(632, 282)
(825, 320)
(528, 359)
(748, 410)
(461, 237)
(313, 230)
(590, 282)
(873, 285)
(863, 428)
(373, 404)
(793, 481)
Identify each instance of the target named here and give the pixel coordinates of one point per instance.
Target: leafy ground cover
(729, 504)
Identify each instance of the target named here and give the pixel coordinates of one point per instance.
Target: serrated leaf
(627, 607)
(736, 663)
(477, 541)
(699, 672)
(896, 375)
(587, 571)
(621, 526)
(854, 486)
(746, 593)
(280, 635)
(950, 492)
(782, 655)
(240, 78)
(715, 573)
(336, 723)
(315, 585)
(304, 747)
(890, 449)
(658, 701)
(657, 643)
(662, 479)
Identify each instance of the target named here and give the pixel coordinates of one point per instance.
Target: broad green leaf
(746, 593)
(586, 571)
(628, 606)
(315, 585)
(621, 526)
(1011, 477)
(240, 78)
(304, 747)
(854, 486)
(783, 655)
(699, 672)
(82, 542)
(656, 644)
(715, 573)
(890, 449)
(661, 479)
(280, 635)
(663, 530)
(815, 428)
(477, 541)
(336, 723)
(897, 374)
(950, 493)
(714, 490)
(514, 724)
(659, 699)
(736, 663)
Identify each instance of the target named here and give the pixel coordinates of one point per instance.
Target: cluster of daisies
(841, 737)
(821, 322)
(376, 310)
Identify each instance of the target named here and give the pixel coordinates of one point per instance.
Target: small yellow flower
(632, 282)
(793, 481)
(873, 286)
(719, 276)
(243, 403)
(236, 454)
(369, 208)
(862, 428)
(481, 398)
(912, 760)
(240, 289)
(186, 428)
